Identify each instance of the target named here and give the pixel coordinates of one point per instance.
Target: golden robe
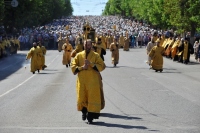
(174, 48)
(103, 40)
(164, 42)
(78, 48)
(156, 57)
(35, 55)
(60, 44)
(89, 84)
(43, 54)
(121, 41)
(126, 44)
(109, 41)
(169, 47)
(67, 53)
(115, 53)
(162, 39)
(185, 51)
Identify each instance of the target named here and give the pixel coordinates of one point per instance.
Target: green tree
(184, 14)
(34, 12)
(180, 14)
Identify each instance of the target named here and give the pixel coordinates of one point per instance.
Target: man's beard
(88, 51)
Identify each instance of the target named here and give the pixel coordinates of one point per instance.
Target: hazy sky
(88, 7)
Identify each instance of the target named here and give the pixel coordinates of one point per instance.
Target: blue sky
(88, 7)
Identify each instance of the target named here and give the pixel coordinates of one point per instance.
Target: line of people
(8, 46)
(173, 47)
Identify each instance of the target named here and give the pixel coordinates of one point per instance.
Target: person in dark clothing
(100, 49)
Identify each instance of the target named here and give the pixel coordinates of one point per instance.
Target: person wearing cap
(35, 55)
(43, 54)
(88, 65)
(156, 55)
(114, 48)
(67, 48)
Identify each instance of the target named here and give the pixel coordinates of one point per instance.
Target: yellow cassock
(126, 44)
(43, 54)
(103, 40)
(67, 53)
(174, 48)
(89, 84)
(35, 54)
(121, 41)
(60, 43)
(109, 41)
(168, 47)
(115, 53)
(156, 57)
(99, 47)
(185, 51)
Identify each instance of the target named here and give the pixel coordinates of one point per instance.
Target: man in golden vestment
(99, 48)
(35, 54)
(114, 52)
(109, 40)
(60, 42)
(175, 48)
(43, 54)
(156, 55)
(67, 49)
(88, 65)
(126, 43)
(121, 41)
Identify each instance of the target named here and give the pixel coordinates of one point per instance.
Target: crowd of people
(84, 50)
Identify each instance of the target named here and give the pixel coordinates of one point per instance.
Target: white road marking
(16, 86)
(23, 81)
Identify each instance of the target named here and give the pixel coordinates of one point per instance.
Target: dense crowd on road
(131, 32)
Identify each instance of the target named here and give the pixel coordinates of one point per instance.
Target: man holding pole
(88, 65)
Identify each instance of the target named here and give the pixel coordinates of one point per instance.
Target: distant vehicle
(87, 11)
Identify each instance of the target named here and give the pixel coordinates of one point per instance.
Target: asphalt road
(138, 100)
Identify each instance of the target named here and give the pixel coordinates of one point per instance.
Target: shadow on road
(50, 69)
(11, 64)
(45, 73)
(193, 63)
(119, 125)
(118, 116)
